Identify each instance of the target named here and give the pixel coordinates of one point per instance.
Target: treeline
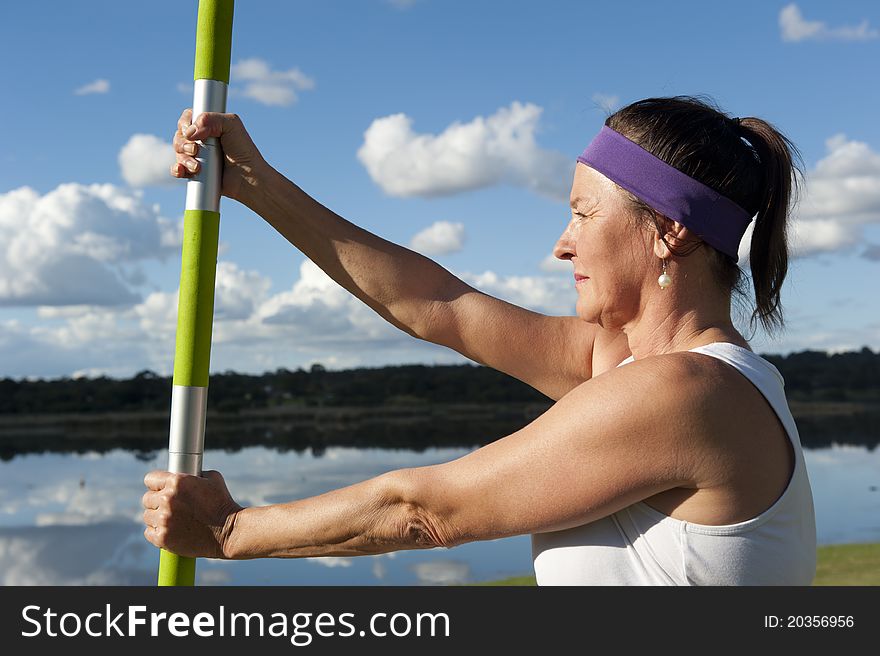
(809, 376)
(231, 392)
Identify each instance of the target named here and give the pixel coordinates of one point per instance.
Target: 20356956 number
(809, 621)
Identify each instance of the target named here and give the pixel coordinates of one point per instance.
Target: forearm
(371, 517)
(401, 285)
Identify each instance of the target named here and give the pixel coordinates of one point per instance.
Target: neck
(669, 322)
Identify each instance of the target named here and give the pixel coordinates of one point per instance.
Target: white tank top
(639, 545)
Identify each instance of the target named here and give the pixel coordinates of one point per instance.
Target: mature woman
(683, 467)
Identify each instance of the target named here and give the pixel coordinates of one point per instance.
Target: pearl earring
(665, 279)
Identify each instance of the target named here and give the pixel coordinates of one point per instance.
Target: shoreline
(409, 426)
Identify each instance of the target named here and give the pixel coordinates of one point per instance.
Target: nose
(564, 248)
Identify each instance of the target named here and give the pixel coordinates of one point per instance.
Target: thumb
(212, 475)
(209, 124)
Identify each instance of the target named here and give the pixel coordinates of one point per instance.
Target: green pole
(201, 231)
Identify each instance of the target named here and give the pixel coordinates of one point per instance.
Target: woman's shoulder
(739, 448)
(707, 390)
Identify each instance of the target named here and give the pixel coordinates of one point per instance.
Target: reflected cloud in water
(69, 519)
(331, 561)
(107, 553)
(443, 572)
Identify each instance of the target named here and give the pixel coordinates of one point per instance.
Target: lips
(578, 277)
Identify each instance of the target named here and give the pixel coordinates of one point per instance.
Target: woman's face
(610, 257)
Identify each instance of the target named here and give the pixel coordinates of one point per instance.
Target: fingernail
(192, 165)
(190, 131)
(190, 149)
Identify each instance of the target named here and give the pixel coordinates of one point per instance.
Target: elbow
(425, 322)
(434, 318)
(414, 520)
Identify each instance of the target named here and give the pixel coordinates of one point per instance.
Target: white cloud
(238, 293)
(80, 244)
(606, 102)
(552, 264)
(145, 161)
(261, 83)
(795, 28)
(550, 295)
(440, 238)
(98, 86)
(486, 151)
(254, 330)
(842, 197)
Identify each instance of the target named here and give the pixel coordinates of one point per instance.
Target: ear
(676, 235)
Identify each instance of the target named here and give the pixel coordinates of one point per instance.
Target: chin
(584, 313)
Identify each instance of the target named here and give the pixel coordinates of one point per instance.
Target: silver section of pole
(203, 189)
(186, 443)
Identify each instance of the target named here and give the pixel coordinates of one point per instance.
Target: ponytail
(782, 170)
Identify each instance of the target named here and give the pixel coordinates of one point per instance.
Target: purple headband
(715, 218)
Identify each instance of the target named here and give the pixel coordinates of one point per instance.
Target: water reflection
(74, 519)
(105, 553)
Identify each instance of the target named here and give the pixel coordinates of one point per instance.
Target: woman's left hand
(189, 515)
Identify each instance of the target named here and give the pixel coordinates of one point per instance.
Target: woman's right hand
(243, 162)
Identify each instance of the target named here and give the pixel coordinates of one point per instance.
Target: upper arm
(552, 354)
(599, 449)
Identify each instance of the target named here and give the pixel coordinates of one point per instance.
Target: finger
(155, 536)
(156, 518)
(185, 166)
(179, 143)
(185, 119)
(151, 500)
(157, 479)
(182, 145)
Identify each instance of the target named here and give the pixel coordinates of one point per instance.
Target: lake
(75, 519)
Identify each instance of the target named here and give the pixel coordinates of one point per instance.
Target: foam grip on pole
(176, 570)
(214, 40)
(195, 308)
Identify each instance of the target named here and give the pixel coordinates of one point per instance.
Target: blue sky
(89, 256)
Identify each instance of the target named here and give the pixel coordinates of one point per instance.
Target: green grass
(848, 564)
(839, 564)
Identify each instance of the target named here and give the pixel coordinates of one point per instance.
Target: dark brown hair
(747, 160)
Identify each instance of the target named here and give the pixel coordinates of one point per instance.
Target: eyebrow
(574, 202)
